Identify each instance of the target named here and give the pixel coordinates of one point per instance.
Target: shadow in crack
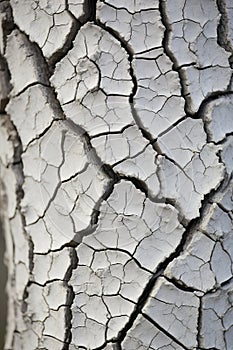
(3, 296)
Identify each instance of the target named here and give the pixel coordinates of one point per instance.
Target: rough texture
(116, 174)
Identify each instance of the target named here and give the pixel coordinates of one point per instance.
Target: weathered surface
(48, 23)
(116, 174)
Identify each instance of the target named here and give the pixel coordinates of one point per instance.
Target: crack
(130, 55)
(39, 60)
(170, 127)
(17, 165)
(170, 55)
(5, 84)
(180, 285)
(113, 178)
(117, 132)
(199, 324)
(69, 299)
(225, 283)
(17, 168)
(117, 346)
(187, 234)
(44, 72)
(200, 114)
(179, 69)
(156, 146)
(62, 52)
(7, 22)
(41, 134)
(95, 215)
(208, 349)
(89, 7)
(164, 331)
(223, 29)
(31, 85)
(210, 97)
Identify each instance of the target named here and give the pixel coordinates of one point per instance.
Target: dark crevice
(42, 133)
(69, 299)
(223, 28)
(169, 335)
(32, 282)
(95, 215)
(43, 70)
(209, 349)
(225, 139)
(62, 52)
(180, 285)
(117, 132)
(199, 324)
(120, 39)
(204, 106)
(4, 83)
(71, 244)
(7, 23)
(33, 50)
(225, 283)
(117, 346)
(171, 127)
(139, 184)
(184, 92)
(130, 55)
(169, 53)
(35, 83)
(150, 285)
(89, 8)
(191, 228)
(17, 168)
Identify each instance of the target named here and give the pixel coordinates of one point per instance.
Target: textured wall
(116, 169)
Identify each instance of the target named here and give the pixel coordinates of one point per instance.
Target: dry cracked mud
(116, 164)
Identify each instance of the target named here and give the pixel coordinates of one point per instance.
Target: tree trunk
(116, 173)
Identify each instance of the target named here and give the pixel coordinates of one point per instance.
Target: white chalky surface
(174, 310)
(34, 101)
(47, 22)
(218, 116)
(144, 335)
(193, 43)
(217, 319)
(116, 174)
(24, 63)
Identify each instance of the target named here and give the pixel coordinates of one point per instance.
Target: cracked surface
(193, 45)
(116, 272)
(46, 22)
(116, 174)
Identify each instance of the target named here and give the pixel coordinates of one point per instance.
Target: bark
(116, 173)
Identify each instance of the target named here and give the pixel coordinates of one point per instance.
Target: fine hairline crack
(187, 234)
(130, 56)
(114, 178)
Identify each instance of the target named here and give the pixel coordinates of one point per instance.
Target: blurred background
(3, 298)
